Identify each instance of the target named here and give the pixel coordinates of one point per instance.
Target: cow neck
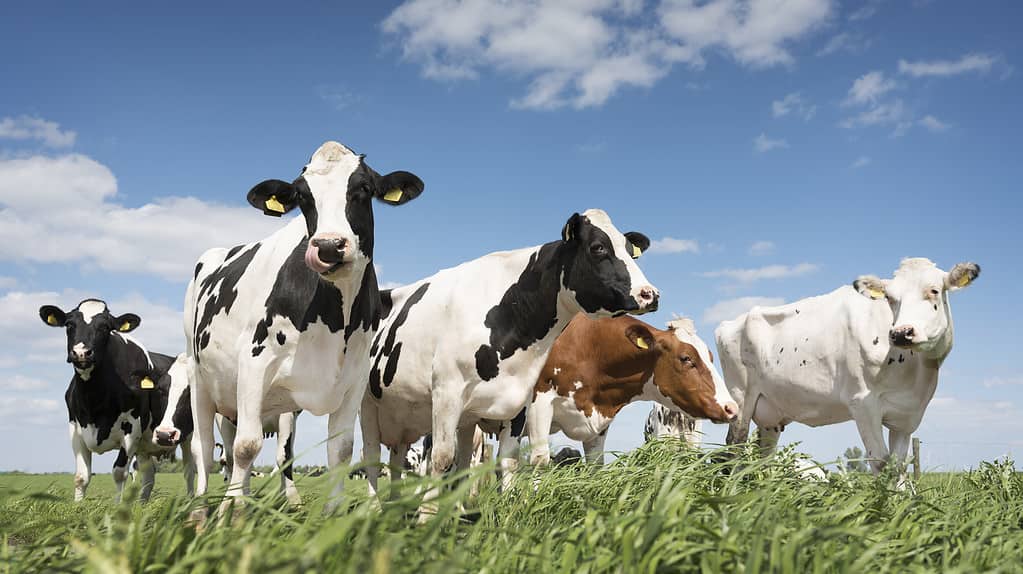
(624, 380)
(535, 307)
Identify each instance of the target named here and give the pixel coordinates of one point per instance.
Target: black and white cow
(117, 394)
(663, 422)
(285, 323)
(468, 343)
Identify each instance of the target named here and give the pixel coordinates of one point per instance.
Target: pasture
(660, 508)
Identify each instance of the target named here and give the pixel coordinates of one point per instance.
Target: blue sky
(771, 153)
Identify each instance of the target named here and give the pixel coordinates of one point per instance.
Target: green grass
(658, 509)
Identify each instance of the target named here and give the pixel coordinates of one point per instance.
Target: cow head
(334, 194)
(684, 374)
(88, 329)
(176, 422)
(918, 297)
(600, 272)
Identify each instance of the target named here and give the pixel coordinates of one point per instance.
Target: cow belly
(576, 424)
(499, 399)
(101, 439)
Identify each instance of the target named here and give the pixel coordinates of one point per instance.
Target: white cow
(869, 352)
(285, 323)
(663, 422)
(468, 343)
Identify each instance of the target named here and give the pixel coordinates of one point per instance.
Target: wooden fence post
(916, 459)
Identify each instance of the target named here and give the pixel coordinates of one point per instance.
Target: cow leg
(227, 434)
(868, 423)
(147, 467)
(188, 461)
(396, 465)
(507, 455)
(691, 430)
(340, 441)
(447, 410)
(369, 420)
(202, 439)
(464, 447)
(898, 444)
(120, 473)
(594, 449)
(83, 462)
(253, 378)
(767, 439)
(286, 456)
(538, 426)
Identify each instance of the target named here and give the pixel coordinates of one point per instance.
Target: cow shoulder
(386, 348)
(216, 288)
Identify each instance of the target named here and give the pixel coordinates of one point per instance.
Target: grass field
(658, 509)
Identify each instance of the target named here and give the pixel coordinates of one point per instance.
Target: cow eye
(686, 360)
(598, 249)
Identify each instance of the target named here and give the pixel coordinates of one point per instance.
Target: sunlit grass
(658, 509)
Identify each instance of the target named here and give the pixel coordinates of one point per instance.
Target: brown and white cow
(597, 366)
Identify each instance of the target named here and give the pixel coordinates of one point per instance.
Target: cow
(869, 352)
(663, 422)
(566, 456)
(285, 323)
(467, 343)
(598, 366)
(118, 392)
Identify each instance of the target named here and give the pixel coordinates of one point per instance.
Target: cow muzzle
(326, 253)
(166, 437)
(903, 336)
(647, 298)
(81, 357)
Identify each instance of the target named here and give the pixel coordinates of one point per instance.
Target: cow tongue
(312, 259)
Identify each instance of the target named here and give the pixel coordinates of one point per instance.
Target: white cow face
(918, 296)
(334, 194)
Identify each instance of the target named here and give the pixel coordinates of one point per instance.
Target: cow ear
(52, 316)
(127, 323)
(637, 243)
(640, 336)
(399, 187)
(961, 275)
(571, 229)
(870, 286)
(273, 197)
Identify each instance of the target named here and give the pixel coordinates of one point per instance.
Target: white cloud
(36, 129)
(579, 53)
(672, 245)
(933, 124)
(845, 42)
(62, 210)
(763, 144)
(761, 248)
(732, 308)
(15, 382)
(970, 63)
(861, 162)
(759, 273)
(1003, 381)
(795, 104)
(8, 282)
(337, 97)
(18, 411)
(892, 113)
(868, 89)
(865, 11)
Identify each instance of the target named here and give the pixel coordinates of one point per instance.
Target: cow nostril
(731, 409)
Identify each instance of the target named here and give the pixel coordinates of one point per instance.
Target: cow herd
(518, 343)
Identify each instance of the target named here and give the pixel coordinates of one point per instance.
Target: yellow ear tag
(273, 205)
(125, 327)
(875, 293)
(146, 383)
(641, 343)
(51, 320)
(636, 252)
(393, 195)
(964, 280)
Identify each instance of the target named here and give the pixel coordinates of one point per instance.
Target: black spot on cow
(795, 350)
(289, 455)
(126, 427)
(797, 311)
(518, 423)
(225, 280)
(198, 268)
(782, 350)
(234, 251)
(367, 307)
(281, 338)
(256, 350)
(487, 362)
(901, 358)
(890, 360)
(390, 347)
(876, 339)
(300, 296)
(122, 459)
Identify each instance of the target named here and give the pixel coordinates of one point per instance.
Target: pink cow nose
(648, 298)
(166, 437)
(731, 410)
